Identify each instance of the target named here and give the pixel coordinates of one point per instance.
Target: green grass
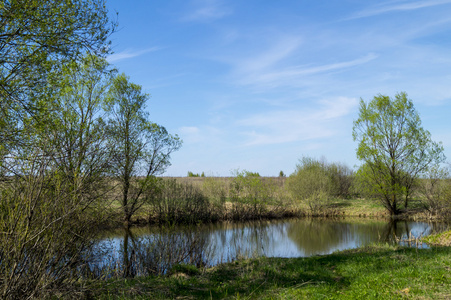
(443, 238)
(377, 272)
(359, 207)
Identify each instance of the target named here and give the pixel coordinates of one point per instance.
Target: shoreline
(372, 272)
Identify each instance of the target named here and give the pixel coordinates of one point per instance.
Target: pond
(154, 250)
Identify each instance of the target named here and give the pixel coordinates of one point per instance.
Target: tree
(36, 39)
(81, 150)
(48, 197)
(394, 147)
(142, 148)
(43, 225)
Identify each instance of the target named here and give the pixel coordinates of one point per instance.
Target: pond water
(154, 250)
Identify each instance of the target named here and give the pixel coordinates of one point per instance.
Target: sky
(258, 84)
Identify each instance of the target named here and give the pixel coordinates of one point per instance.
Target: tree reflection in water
(155, 253)
(156, 250)
(312, 236)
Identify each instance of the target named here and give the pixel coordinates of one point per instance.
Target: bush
(46, 225)
(180, 203)
(252, 197)
(311, 185)
(216, 189)
(342, 178)
(435, 188)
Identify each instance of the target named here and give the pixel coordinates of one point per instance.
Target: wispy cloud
(126, 54)
(274, 77)
(392, 7)
(281, 49)
(207, 10)
(277, 127)
(190, 134)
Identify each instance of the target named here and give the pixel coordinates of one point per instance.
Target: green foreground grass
(376, 272)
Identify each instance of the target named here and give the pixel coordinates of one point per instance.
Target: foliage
(181, 203)
(442, 238)
(251, 196)
(51, 187)
(45, 236)
(37, 38)
(342, 178)
(315, 183)
(216, 189)
(191, 174)
(435, 187)
(311, 184)
(141, 148)
(394, 147)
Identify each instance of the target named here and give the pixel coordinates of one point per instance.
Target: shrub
(46, 227)
(180, 203)
(341, 177)
(191, 174)
(252, 197)
(216, 189)
(311, 184)
(435, 188)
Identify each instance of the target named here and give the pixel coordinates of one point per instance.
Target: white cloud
(207, 10)
(189, 130)
(277, 127)
(129, 54)
(292, 75)
(190, 134)
(407, 6)
(281, 50)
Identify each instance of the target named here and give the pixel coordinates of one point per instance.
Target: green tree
(36, 39)
(394, 147)
(142, 148)
(43, 224)
(81, 152)
(47, 207)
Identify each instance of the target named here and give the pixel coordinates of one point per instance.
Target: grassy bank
(377, 272)
(441, 239)
(194, 200)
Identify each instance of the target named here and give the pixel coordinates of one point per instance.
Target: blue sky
(257, 84)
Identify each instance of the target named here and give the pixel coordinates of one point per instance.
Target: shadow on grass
(268, 277)
(342, 203)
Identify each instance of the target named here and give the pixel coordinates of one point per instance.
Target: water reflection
(127, 253)
(312, 237)
(155, 250)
